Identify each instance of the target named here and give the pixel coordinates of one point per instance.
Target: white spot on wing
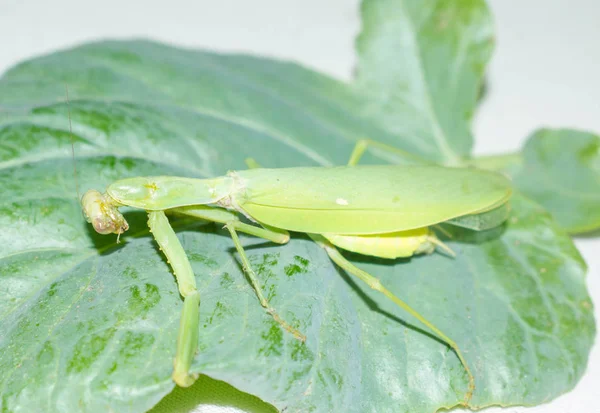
(341, 201)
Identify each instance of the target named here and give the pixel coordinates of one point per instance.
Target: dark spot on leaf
(268, 260)
(128, 163)
(300, 266)
(218, 313)
(334, 377)
(88, 350)
(108, 162)
(131, 272)
(140, 303)
(112, 368)
(265, 272)
(209, 262)
(300, 373)
(134, 343)
(301, 352)
(226, 280)
(52, 290)
(273, 340)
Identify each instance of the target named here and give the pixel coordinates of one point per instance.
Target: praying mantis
(377, 210)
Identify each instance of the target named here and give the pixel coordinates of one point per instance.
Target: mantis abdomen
(390, 245)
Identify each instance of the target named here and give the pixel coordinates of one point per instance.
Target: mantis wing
(368, 199)
(484, 220)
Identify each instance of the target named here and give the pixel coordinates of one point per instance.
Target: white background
(545, 71)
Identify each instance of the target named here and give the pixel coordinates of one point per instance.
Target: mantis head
(101, 211)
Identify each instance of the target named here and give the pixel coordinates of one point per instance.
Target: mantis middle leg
(233, 224)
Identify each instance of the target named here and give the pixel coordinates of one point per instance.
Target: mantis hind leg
(363, 144)
(376, 285)
(187, 337)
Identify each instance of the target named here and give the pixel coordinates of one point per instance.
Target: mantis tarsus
(383, 211)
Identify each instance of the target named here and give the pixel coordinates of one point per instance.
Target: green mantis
(383, 211)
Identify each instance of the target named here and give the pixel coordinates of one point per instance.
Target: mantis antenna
(72, 144)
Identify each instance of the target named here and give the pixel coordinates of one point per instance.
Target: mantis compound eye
(103, 214)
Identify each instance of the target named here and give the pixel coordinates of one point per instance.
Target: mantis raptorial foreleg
(376, 285)
(187, 337)
(187, 341)
(233, 224)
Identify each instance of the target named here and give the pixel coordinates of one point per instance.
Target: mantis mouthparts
(103, 214)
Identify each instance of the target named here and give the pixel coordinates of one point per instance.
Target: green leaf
(560, 169)
(89, 324)
(278, 102)
(421, 65)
